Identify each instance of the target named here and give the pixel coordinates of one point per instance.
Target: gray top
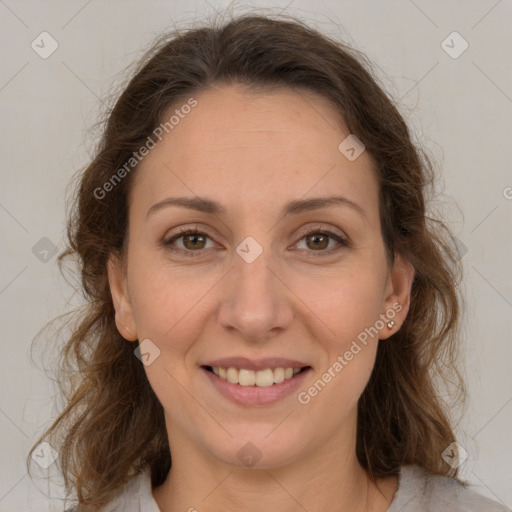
(418, 491)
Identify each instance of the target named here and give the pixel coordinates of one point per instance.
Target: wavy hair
(112, 426)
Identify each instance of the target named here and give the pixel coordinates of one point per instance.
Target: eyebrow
(203, 204)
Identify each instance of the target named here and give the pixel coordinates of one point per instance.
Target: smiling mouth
(260, 378)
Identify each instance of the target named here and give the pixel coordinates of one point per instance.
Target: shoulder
(418, 491)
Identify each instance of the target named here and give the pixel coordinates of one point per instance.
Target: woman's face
(256, 283)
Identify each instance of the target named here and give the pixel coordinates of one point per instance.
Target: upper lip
(255, 364)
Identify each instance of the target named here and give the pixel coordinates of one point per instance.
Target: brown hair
(113, 424)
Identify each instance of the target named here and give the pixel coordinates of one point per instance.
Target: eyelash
(313, 231)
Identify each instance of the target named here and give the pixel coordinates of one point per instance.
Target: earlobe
(399, 296)
(124, 318)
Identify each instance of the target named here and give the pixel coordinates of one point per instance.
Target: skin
(253, 152)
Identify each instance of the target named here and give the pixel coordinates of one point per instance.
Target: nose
(257, 305)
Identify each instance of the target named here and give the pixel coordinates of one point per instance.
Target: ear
(398, 296)
(118, 288)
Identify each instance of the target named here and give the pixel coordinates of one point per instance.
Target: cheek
(347, 310)
(163, 297)
(336, 399)
(346, 301)
(167, 310)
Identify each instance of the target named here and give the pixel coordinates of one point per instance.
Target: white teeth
(278, 375)
(264, 378)
(260, 378)
(246, 377)
(232, 375)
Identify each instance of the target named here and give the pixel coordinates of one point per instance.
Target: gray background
(460, 108)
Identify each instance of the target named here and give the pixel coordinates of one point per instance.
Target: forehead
(255, 150)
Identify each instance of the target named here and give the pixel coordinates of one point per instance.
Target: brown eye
(194, 241)
(318, 241)
(188, 242)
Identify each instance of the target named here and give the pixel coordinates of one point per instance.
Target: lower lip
(255, 395)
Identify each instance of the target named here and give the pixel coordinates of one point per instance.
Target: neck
(327, 474)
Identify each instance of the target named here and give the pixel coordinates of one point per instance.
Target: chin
(258, 451)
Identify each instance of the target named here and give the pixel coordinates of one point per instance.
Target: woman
(269, 302)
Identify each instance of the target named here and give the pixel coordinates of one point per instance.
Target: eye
(192, 241)
(318, 240)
